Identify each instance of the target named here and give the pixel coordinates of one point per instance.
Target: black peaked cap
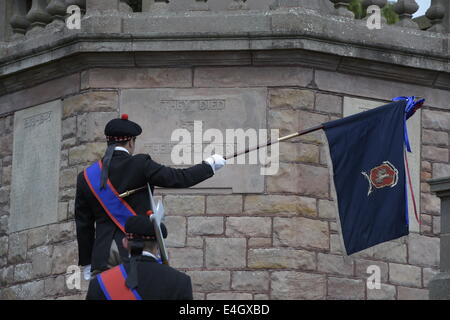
(141, 226)
(122, 128)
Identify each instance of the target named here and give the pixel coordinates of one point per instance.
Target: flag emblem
(384, 175)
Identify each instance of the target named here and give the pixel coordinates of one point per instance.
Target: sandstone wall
(282, 244)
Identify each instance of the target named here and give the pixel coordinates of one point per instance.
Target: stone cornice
(282, 37)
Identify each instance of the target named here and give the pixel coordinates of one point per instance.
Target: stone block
(41, 260)
(405, 293)
(441, 170)
(430, 203)
(93, 101)
(280, 205)
(3, 246)
(428, 275)
(181, 129)
(334, 264)
(3, 225)
(6, 145)
(329, 103)
(301, 232)
(327, 209)
(248, 227)
(203, 226)
(184, 205)
(299, 152)
(405, 275)
(284, 120)
(64, 256)
(291, 98)
(17, 251)
(176, 227)
(436, 120)
(308, 120)
(335, 244)
(296, 178)
(291, 285)
(69, 127)
(139, 78)
(259, 242)
(280, 258)
(27, 291)
(6, 277)
(186, 258)
(91, 126)
(37, 145)
(345, 289)
(23, 272)
(386, 292)
(432, 137)
(62, 231)
(423, 251)
(68, 178)
(37, 237)
(55, 286)
(250, 281)
(6, 175)
(252, 76)
(225, 253)
(229, 296)
(435, 153)
(86, 153)
(394, 251)
(207, 281)
(224, 204)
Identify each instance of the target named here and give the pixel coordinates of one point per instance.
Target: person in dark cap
(101, 209)
(143, 278)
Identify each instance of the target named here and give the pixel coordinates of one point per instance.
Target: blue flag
(367, 152)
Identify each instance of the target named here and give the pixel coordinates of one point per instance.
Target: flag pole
(268, 143)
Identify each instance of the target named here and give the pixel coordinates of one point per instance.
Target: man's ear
(125, 242)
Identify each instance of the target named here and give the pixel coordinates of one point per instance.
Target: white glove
(216, 162)
(87, 272)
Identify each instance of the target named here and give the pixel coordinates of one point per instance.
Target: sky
(423, 7)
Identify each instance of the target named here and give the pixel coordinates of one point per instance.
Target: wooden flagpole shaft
(293, 135)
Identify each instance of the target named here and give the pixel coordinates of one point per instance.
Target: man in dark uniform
(143, 278)
(100, 213)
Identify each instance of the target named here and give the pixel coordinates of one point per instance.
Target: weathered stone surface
(308, 120)
(17, 251)
(423, 251)
(334, 264)
(205, 226)
(296, 178)
(428, 275)
(64, 256)
(404, 293)
(180, 127)
(194, 242)
(186, 258)
(252, 76)
(6, 145)
(3, 246)
(435, 153)
(280, 258)
(430, 203)
(229, 296)
(3, 225)
(280, 204)
(86, 153)
(94, 101)
(291, 285)
(362, 265)
(62, 211)
(441, 170)
(259, 242)
(328, 103)
(248, 227)
(250, 280)
(405, 275)
(260, 296)
(68, 178)
(176, 227)
(394, 251)
(291, 98)
(5, 194)
(138, 78)
(37, 140)
(335, 244)
(327, 209)
(436, 120)
(69, 127)
(41, 259)
(439, 138)
(345, 289)
(224, 204)
(301, 232)
(284, 120)
(184, 205)
(6, 175)
(204, 281)
(225, 253)
(91, 126)
(62, 231)
(55, 286)
(27, 291)
(6, 277)
(299, 152)
(386, 292)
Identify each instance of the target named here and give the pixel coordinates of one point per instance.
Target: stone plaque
(352, 106)
(35, 172)
(161, 111)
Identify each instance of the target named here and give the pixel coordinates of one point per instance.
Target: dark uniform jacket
(156, 282)
(95, 230)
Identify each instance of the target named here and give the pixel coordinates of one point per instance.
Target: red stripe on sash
(113, 281)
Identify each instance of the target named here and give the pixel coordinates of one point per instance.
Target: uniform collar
(118, 148)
